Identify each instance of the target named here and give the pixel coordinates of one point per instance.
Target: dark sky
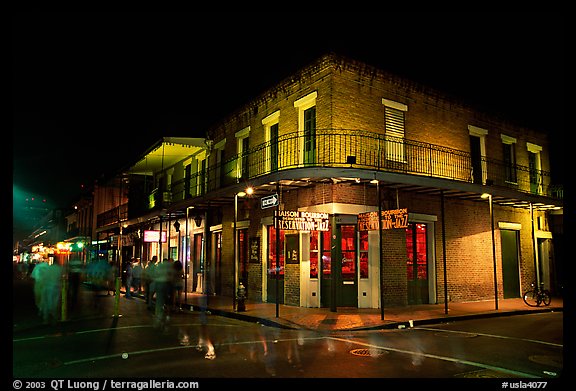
(91, 91)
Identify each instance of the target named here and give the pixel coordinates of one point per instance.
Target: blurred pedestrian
(51, 294)
(163, 278)
(129, 277)
(137, 276)
(39, 276)
(178, 285)
(148, 279)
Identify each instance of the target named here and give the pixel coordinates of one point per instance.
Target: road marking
(167, 349)
(437, 357)
(491, 336)
(105, 329)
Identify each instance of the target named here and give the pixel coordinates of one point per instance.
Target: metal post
(235, 277)
(534, 248)
(493, 251)
(444, 252)
(186, 257)
(277, 268)
(381, 247)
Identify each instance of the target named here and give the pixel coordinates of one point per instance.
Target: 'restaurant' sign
(302, 221)
(394, 218)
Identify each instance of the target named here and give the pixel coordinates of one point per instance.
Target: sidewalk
(285, 316)
(322, 319)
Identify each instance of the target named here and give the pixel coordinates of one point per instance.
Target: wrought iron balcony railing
(363, 150)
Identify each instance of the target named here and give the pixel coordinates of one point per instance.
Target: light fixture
(198, 220)
(177, 226)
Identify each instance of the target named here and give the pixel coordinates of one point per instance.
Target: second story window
(509, 158)
(243, 146)
(271, 134)
(535, 167)
(307, 128)
(394, 124)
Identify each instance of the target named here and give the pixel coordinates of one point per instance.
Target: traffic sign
(269, 201)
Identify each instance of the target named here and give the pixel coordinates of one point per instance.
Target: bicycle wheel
(531, 298)
(546, 297)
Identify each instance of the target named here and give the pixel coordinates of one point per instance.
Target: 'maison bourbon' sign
(303, 221)
(393, 218)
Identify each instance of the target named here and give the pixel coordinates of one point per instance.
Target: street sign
(269, 201)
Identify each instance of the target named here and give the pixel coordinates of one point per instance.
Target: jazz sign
(393, 218)
(302, 221)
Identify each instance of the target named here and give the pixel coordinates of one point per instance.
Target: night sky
(92, 91)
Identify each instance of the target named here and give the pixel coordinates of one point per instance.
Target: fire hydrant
(241, 307)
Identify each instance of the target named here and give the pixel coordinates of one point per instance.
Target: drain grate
(368, 352)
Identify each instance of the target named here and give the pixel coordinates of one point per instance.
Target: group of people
(160, 282)
(163, 284)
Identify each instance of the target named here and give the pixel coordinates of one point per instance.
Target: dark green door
(275, 274)
(510, 269)
(347, 292)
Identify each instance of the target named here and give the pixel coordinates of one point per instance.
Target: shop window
(363, 254)
(348, 252)
(272, 251)
(417, 262)
(314, 254)
(326, 254)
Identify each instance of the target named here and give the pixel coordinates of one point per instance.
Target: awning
(165, 153)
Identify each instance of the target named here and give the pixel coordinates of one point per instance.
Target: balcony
(340, 148)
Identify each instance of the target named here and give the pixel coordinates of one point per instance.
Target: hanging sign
(302, 221)
(254, 250)
(390, 219)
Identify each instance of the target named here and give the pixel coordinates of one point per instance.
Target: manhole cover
(329, 321)
(553, 361)
(368, 352)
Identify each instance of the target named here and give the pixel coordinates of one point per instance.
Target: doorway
(275, 272)
(417, 263)
(339, 267)
(510, 266)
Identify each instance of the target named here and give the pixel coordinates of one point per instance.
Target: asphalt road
(513, 348)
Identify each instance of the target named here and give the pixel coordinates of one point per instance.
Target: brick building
(326, 152)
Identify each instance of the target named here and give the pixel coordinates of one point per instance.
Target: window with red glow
(326, 254)
(272, 251)
(364, 254)
(417, 262)
(314, 254)
(348, 252)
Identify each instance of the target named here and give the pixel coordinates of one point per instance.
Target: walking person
(148, 279)
(137, 276)
(51, 294)
(129, 277)
(163, 278)
(178, 285)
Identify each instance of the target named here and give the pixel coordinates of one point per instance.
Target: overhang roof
(165, 153)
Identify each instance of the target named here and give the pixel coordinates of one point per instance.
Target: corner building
(333, 147)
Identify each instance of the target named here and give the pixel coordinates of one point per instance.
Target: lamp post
(247, 191)
(490, 202)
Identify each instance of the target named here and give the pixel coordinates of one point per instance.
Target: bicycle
(534, 297)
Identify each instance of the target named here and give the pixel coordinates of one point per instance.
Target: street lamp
(490, 202)
(247, 191)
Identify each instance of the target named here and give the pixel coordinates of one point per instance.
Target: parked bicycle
(534, 297)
